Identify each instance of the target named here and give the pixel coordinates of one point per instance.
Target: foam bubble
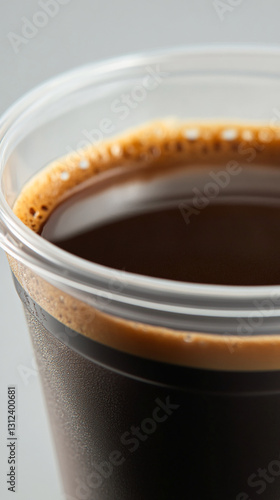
(229, 134)
(192, 134)
(84, 164)
(247, 135)
(116, 150)
(64, 176)
(265, 135)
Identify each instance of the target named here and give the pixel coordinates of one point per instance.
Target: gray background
(77, 32)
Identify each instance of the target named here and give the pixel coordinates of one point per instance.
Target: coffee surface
(222, 244)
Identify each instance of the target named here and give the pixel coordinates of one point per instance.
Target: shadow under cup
(136, 410)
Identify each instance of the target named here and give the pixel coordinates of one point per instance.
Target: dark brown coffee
(223, 244)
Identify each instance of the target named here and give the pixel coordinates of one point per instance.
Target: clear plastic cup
(178, 392)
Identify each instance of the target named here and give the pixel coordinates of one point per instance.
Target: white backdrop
(40, 38)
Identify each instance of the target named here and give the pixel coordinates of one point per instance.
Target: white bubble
(229, 134)
(84, 164)
(64, 176)
(192, 134)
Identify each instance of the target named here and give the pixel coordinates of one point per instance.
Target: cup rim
(51, 262)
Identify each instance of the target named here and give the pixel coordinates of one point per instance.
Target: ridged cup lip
(59, 266)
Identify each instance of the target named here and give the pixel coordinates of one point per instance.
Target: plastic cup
(175, 392)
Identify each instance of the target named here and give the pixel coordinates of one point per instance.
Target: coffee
(163, 413)
(227, 244)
